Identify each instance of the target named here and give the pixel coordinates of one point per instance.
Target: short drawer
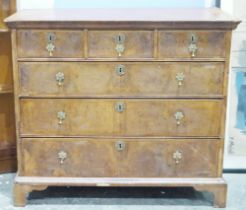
(192, 44)
(121, 79)
(48, 44)
(125, 44)
(118, 117)
(120, 157)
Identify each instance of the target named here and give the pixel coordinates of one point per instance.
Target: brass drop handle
(180, 78)
(193, 46)
(60, 77)
(179, 117)
(177, 156)
(61, 115)
(62, 156)
(193, 49)
(120, 145)
(120, 70)
(120, 46)
(50, 47)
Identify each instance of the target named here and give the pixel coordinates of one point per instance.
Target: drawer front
(44, 43)
(170, 158)
(59, 117)
(125, 44)
(133, 158)
(192, 44)
(124, 79)
(68, 158)
(45, 117)
(173, 117)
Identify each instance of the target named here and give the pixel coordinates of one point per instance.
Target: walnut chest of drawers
(121, 98)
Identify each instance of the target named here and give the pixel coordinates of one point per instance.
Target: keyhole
(120, 146)
(120, 70)
(50, 37)
(120, 38)
(119, 107)
(193, 38)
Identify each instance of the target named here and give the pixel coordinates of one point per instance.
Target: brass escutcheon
(120, 70)
(51, 37)
(120, 38)
(119, 107)
(120, 145)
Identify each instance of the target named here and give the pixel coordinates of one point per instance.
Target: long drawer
(124, 79)
(118, 117)
(120, 157)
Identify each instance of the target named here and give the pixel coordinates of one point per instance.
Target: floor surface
(64, 198)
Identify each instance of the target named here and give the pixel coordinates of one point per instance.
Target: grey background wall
(235, 153)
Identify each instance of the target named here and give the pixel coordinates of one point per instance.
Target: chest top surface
(211, 18)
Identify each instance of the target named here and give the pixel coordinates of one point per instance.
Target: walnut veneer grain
(121, 98)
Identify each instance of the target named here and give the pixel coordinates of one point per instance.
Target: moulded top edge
(124, 18)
